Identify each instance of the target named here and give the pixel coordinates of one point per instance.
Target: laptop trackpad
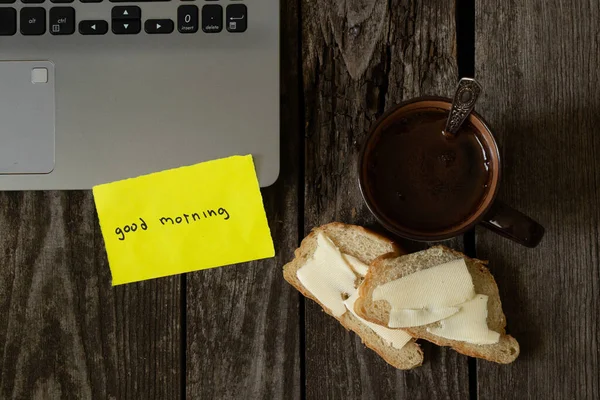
(26, 117)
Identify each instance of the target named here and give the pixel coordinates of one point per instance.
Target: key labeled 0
(121, 232)
(187, 19)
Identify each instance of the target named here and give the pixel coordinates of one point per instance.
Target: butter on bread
(365, 246)
(393, 267)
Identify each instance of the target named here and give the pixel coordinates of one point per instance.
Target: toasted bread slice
(389, 268)
(366, 246)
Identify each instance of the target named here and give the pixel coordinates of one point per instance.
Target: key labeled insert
(187, 19)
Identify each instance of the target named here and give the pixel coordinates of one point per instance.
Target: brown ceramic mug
(422, 185)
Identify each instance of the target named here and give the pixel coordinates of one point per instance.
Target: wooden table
(241, 331)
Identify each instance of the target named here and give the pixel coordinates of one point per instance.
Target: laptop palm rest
(27, 117)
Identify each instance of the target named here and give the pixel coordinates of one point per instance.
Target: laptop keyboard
(124, 20)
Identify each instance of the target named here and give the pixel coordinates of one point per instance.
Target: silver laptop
(93, 91)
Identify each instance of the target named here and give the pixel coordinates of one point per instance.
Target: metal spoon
(465, 97)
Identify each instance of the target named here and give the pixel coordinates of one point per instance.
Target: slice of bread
(389, 268)
(366, 246)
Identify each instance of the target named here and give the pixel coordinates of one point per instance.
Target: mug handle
(512, 224)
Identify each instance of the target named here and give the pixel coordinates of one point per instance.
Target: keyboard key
(187, 19)
(33, 20)
(62, 21)
(32, 1)
(8, 21)
(135, 1)
(237, 18)
(212, 18)
(93, 27)
(61, 1)
(126, 26)
(91, 1)
(126, 12)
(7, 1)
(159, 26)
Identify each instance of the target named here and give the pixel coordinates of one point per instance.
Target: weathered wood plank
(538, 63)
(65, 332)
(243, 321)
(359, 58)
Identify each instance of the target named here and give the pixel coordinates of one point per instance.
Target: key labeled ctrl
(62, 20)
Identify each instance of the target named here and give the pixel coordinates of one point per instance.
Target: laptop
(93, 91)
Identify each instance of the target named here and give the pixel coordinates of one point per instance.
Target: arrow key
(159, 26)
(126, 12)
(126, 26)
(93, 27)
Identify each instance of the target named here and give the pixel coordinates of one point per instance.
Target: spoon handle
(465, 97)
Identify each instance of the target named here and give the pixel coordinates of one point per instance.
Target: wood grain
(538, 63)
(243, 321)
(359, 58)
(65, 332)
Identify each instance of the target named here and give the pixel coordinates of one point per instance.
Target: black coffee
(422, 180)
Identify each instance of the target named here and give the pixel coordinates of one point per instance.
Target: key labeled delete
(185, 219)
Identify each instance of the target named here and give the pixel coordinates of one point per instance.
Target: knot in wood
(354, 30)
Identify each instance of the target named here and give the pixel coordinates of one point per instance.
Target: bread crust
(411, 355)
(386, 269)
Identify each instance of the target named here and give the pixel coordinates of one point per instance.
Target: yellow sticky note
(185, 219)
